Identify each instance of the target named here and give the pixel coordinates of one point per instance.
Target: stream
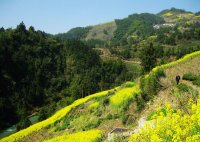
(8, 131)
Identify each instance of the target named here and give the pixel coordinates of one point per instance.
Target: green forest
(40, 73)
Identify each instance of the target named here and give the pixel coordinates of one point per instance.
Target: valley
(112, 82)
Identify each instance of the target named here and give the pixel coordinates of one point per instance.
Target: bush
(106, 101)
(149, 84)
(24, 123)
(189, 76)
(140, 102)
(197, 81)
(124, 118)
(184, 88)
(109, 116)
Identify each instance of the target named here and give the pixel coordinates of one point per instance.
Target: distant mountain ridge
(126, 26)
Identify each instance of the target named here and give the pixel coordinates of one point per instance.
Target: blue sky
(56, 16)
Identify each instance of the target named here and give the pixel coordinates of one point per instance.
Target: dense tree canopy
(38, 71)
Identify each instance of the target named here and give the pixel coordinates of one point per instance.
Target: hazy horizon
(60, 16)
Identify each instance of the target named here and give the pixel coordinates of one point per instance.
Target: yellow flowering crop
(86, 136)
(124, 95)
(94, 105)
(175, 127)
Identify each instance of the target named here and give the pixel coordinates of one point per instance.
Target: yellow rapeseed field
(86, 136)
(175, 126)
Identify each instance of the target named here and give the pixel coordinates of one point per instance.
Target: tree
(148, 57)
(24, 123)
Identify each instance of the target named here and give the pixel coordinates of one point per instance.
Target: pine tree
(148, 58)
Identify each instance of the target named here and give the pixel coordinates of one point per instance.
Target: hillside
(174, 15)
(174, 32)
(102, 32)
(120, 30)
(123, 106)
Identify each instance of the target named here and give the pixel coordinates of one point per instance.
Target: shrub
(197, 81)
(150, 84)
(140, 102)
(189, 76)
(106, 101)
(184, 88)
(24, 123)
(124, 118)
(109, 116)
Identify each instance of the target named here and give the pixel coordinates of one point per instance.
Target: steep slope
(173, 114)
(118, 107)
(102, 31)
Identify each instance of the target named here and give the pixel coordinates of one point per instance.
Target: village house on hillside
(158, 26)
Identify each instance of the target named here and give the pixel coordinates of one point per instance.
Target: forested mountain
(135, 25)
(134, 28)
(75, 33)
(118, 31)
(37, 72)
